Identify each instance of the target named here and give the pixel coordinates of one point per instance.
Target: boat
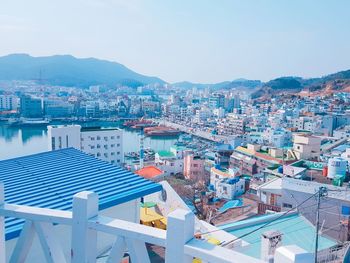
(29, 122)
(161, 131)
(138, 124)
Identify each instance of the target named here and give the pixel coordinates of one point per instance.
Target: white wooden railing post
(180, 230)
(2, 226)
(84, 240)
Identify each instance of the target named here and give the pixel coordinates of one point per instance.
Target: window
(105, 146)
(112, 145)
(92, 146)
(112, 137)
(118, 137)
(92, 138)
(82, 139)
(105, 154)
(118, 161)
(112, 153)
(118, 144)
(106, 138)
(67, 141)
(224, 188)
(98, 154)
(98, 146)
(60, 142)
(98, 138)
(118, 153)
(112, 161)
(286, 205)
(53, 143)
(195, 165)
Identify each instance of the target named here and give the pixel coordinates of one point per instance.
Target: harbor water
(16, 141)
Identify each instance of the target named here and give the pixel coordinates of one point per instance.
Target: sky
(193, 40)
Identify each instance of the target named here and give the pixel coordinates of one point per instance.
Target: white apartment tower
(105, 144)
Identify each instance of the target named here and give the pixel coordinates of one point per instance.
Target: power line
(268, 223)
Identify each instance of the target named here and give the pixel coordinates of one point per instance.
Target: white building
(230, 188)
(8, 102)
(104, 144)
(306, 146)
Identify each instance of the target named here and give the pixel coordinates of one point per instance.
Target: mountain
(67, 70)
(326, 85)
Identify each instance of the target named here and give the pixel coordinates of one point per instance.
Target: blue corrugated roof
(50, 180)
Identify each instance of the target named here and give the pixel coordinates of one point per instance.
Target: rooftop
(50, 179)
(295, 229)
(149, 172)
(165, 154)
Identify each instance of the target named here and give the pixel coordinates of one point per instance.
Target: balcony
(85, 222)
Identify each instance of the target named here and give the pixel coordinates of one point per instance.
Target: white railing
(85, 223)
(178, 240)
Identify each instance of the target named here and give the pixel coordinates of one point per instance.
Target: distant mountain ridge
(67, 70)
(238, 83)
(326, 85)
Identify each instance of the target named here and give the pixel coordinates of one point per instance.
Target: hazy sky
(200, 41)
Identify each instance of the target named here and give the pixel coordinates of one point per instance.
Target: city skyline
(197, 41)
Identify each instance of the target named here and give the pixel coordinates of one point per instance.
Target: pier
(194, 132)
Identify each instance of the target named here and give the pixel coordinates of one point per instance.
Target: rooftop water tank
(336, 166)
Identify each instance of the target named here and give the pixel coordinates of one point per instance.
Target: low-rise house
(253, 160)
(306, 146)
(230, 188)
(193, 167)
(168, 162)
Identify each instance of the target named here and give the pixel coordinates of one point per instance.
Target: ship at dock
(28, 122)
(138, 124)
(161, 131)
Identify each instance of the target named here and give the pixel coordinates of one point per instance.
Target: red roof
(149, 172)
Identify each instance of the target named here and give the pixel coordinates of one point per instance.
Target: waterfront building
(58, 108)
(104, 144)
(31, 107)
(8, 102)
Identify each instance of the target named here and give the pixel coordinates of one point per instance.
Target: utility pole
(141, 146)
(322, 191)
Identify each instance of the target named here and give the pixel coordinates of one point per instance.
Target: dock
(201, 134)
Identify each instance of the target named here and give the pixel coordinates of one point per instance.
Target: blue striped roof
(50, 180)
